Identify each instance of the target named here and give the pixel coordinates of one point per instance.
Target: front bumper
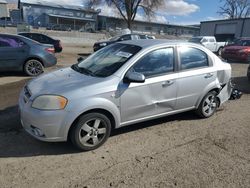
(50, 124)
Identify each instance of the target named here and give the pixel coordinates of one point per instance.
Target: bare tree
(235, 8)
(129, 8)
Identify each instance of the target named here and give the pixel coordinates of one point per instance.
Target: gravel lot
(176, 151)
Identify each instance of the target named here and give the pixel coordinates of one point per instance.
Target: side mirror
(80, 59)
(135, 77)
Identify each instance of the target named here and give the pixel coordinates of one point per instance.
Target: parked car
(239, 50)
(122, 84)
(19, 53)
(44, 39)
(99, 45)
(210, 43)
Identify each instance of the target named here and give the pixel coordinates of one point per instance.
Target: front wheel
(208, 105)
(91, 131)
(220, 51)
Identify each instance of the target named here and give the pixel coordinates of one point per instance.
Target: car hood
(62, 82)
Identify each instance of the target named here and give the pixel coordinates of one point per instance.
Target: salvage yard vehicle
(239, 50)
(125, 83)
(102, 44)
(18, 53)
(210, 43)
(44, 39)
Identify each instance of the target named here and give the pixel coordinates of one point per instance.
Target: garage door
(226, 28)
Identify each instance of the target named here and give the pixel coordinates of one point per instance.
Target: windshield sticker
(124, 54)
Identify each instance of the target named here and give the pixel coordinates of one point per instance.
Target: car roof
(20, 36)
(145, 43)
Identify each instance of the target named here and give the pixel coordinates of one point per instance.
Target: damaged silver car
(123, 84)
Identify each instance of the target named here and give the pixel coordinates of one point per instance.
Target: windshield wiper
(82, 70)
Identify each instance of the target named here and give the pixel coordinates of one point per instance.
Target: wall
(242, 27)
(3, 10)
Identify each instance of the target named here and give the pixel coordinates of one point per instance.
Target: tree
(235, 8)
(129, 8)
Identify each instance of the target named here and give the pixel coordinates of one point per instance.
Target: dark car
(44, 39)
(99, 45)
(18, 53)
(239, 50)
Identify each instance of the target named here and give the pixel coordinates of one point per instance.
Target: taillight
(246, 50)
(50, 50)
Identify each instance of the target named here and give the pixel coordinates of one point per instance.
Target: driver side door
(157, 95)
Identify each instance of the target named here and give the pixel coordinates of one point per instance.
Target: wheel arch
(217, 90)
(105, 112)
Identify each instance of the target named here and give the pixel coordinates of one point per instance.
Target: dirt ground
(175, 151)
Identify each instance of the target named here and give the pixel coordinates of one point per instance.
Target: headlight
(49, 102)
(103, 44)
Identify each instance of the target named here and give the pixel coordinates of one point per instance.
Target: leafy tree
(235, 8)
(129, 8)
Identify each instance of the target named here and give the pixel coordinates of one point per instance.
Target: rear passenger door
(13, 53)
(196, 75)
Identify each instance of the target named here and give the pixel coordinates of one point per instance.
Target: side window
(11, 42)
(211, 40)
(135, 37)
(192, 58)
(125, 37)
(155, 63)
(204, 40)
(143, 37)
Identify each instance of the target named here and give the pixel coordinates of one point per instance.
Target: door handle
(167, 83)
(209, 75)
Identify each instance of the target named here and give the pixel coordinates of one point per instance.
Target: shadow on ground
(9, 74)
(15, 142)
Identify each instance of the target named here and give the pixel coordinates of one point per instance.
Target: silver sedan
(122, 84)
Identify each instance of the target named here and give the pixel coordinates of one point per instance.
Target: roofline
(223, 20)
(69, 8)
(165, 24)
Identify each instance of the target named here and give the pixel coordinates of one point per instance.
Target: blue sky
(173, 11)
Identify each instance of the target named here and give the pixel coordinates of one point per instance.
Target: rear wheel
(208, 105)
(33, 67)
(91, 131)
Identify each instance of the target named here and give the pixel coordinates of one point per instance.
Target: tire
(91, 131)
(33, 67)
(219, 51)
(208, 105)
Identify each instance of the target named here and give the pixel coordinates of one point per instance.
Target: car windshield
(239, 42)
(107, 61)
(195, 40)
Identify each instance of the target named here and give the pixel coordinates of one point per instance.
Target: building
(3, 9)
(225, 30)
(55, 16)
(111, 23)
(40, 13)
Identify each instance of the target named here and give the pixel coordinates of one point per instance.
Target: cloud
(178, 8)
